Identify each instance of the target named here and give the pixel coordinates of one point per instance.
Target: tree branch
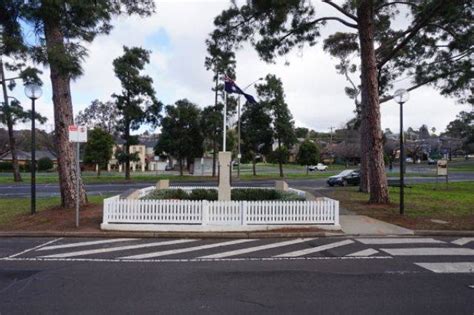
(293, 31)
(390, 97)
(393, 3)
(338, 8)
(422, 23)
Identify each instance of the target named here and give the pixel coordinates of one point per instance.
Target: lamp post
(239, 155)
(401, 96)
(33, 91)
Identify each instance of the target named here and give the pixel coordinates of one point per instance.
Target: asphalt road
(45, 190)
(74, 276)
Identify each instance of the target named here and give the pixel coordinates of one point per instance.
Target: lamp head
(33, 91)
(401, 96)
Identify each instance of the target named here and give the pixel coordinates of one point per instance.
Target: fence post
(205, 212)
(105, 217)
(243, 212)
(336, 212)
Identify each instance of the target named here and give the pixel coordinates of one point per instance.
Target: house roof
(23, 155)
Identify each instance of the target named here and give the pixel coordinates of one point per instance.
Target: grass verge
(423, 203)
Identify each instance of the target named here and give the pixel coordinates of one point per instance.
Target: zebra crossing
(457, 254)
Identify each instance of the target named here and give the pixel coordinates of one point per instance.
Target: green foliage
(301, 132)
(99, 114)
(45, 164)
(256, 132)
(99, 146)
(137, 104)
(181, 134)
(203, 194)
(308, 153)
(248, 194)
(6, 166)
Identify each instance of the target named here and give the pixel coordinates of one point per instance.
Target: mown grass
(423, 202)
(12, 207)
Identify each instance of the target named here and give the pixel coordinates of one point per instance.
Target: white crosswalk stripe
(89, 243)
(452, 267)
(185, 250)
(385, 241)
(256, 248)
(463, 241)
(312, 250)
(429, 251)
(364, 253)
(120, 248)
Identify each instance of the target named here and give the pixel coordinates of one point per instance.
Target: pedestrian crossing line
(402, 240)
(452, 267)
(185, 250)
(116, 249)
(71, 245)
(364, 253)
(463, 241)
(256, 248)
(315, 249)
(429, 251)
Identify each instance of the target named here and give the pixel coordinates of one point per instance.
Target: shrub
(6, 166)
(248, 194)
(203, 194)
(45, 164)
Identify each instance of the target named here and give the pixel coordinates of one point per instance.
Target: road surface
(237, 276)
(46, 190)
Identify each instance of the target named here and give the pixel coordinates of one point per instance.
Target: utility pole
(331, 128)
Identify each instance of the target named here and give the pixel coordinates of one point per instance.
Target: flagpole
(225, 123)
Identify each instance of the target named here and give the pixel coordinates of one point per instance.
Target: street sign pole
(78, 178)
(77, 134)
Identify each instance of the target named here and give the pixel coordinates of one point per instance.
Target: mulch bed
(58, 219)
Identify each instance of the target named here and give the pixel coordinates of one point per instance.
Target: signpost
(77, 134)
(442, 170)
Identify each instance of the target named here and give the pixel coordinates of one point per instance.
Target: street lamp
(33, 91)
(401, 96)
(239, 155)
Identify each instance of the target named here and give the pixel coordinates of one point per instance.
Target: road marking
(185, 250)
(364, 253)
(463, 241)
(178, 260)
(454, 267)
(86, 243)
(315, 249)
(35, 248)
(115, 249)
(429, 251)
(384, 241)
(256, 248)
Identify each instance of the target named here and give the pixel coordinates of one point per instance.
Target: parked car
(319, 167)
(344, 178)
(409, 160)
(431, 161)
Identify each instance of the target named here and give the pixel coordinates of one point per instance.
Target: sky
(176, 36)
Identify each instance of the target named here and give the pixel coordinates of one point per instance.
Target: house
(25, 157)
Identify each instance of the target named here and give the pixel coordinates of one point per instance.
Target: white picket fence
(220, 213)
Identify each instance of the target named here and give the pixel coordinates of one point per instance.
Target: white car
(319, 167)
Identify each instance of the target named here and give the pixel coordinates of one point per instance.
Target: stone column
(108, 167)
(224, 175)
(143, 167)
(120, 168)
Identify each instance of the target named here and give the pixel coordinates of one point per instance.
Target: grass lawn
(12, 208)
(423, 202)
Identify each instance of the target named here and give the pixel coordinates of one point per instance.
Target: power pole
(331, 128)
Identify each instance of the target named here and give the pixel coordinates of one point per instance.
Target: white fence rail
(321, 211)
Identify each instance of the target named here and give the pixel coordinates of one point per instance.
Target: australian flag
(231, 87)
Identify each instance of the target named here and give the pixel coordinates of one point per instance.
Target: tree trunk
(280, 163)
(370, 100)
(9, 123)
(180, 167)
(254, 168)
(63, 115)
(98, 169)
(364, 153)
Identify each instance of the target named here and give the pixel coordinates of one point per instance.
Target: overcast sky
(176, 34)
